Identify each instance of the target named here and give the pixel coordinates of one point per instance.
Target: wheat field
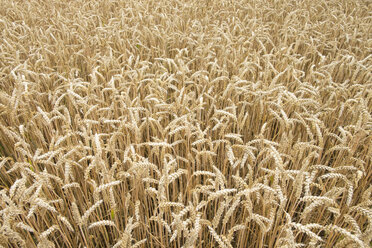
(227, 123)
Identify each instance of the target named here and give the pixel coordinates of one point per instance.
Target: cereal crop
(194, 123)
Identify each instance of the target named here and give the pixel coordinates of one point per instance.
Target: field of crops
(186, 123)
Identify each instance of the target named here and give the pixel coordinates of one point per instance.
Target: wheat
(71, 185)
(45, 243)
(218, 214)
(46, 233)
(86, 215)
(25, 227)
(66, 222)
(222, 192)
(217, 237)
(185, 123)
(41, 203)
(306, 229)
(102, 223)
(231, 210)
(139, 243)
(106, 186)
(75, 213)
(347, 234)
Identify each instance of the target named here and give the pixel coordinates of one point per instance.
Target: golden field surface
(194, 123)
